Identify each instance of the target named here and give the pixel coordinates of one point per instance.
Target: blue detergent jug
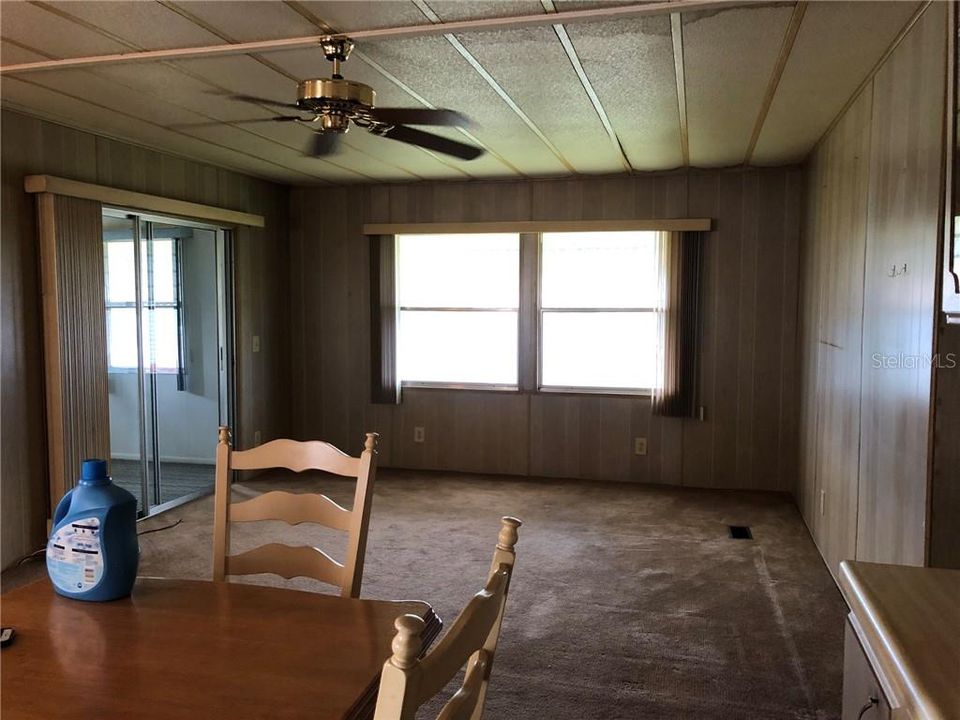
(93, 552)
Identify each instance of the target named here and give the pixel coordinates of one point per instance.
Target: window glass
(599, 269)
(459, 271)
(122, 337)
(459, 299)
(458, 347)
(598, 293)
(599, 349)
(121, 275)
(164, 276)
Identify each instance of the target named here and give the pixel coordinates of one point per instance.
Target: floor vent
(740, 532)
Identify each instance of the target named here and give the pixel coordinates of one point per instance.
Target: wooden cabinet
(863, 698)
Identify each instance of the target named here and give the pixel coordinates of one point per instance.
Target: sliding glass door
(169, 352)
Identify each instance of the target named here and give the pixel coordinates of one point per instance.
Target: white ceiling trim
(796, 19)
(676, 32)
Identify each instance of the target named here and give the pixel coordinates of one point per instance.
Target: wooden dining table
(196, 649)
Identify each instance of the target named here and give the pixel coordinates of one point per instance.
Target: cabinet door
(860, 685)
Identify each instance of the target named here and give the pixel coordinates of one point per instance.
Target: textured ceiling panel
(147, 25)
(244, 21)
(437, 71)
(384, 159)
(451, 10)
(365, 14)
(838, 44)
(729, 56)
(630, 64)
(56, 107)
(549, 93)
(309, 63)
(54, 35)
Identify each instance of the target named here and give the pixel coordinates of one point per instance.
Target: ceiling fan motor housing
(336, 101)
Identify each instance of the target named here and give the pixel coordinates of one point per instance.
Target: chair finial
(371, 442)
(508, 533)
(407, 643)
(224, 434)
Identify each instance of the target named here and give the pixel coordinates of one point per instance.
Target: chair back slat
(288, 562)
(296, 456)
(407, 681)
(465, 701)
(293, 509)
(467, 635)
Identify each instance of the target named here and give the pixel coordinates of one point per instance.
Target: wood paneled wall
(33, 146)
(748, 363)
(870, 269)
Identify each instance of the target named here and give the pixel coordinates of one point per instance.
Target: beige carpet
(627, 601)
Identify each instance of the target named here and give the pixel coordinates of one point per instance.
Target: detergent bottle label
(74, 557)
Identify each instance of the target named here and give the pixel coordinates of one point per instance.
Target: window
(598, 300)
(160, 285)
(592, 326)
(459, 298)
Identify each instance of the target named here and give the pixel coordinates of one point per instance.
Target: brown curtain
(384, 379)
(680, 257)
(75, 337)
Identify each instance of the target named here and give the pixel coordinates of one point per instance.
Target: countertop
(908, 620)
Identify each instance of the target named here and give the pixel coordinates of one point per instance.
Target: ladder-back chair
(407, 682)
(294, 508)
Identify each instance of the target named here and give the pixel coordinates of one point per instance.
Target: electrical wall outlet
(419, 433)
(256, 343)
(823, 501)
(639, 446)
(256, 437)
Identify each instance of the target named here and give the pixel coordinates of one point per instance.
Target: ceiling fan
(333, 103)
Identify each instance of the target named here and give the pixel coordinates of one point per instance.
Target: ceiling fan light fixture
(334, 103)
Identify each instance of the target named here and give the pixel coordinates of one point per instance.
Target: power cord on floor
(42, 551)
(165, 527)
(31, 556)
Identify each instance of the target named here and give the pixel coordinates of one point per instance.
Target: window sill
(605, 392)
(513, 389)
(483, 387)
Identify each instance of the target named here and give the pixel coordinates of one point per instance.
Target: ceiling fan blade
(432, 142)
(323, 143)
(263, 101)
(420, 116)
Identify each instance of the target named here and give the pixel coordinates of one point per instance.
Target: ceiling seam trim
(173, 7)
(156, 125)
(491, 81)
(122, 41)
(325, 27)
(789, 38)
(679, 71)
(578, 68)
(921, 8)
